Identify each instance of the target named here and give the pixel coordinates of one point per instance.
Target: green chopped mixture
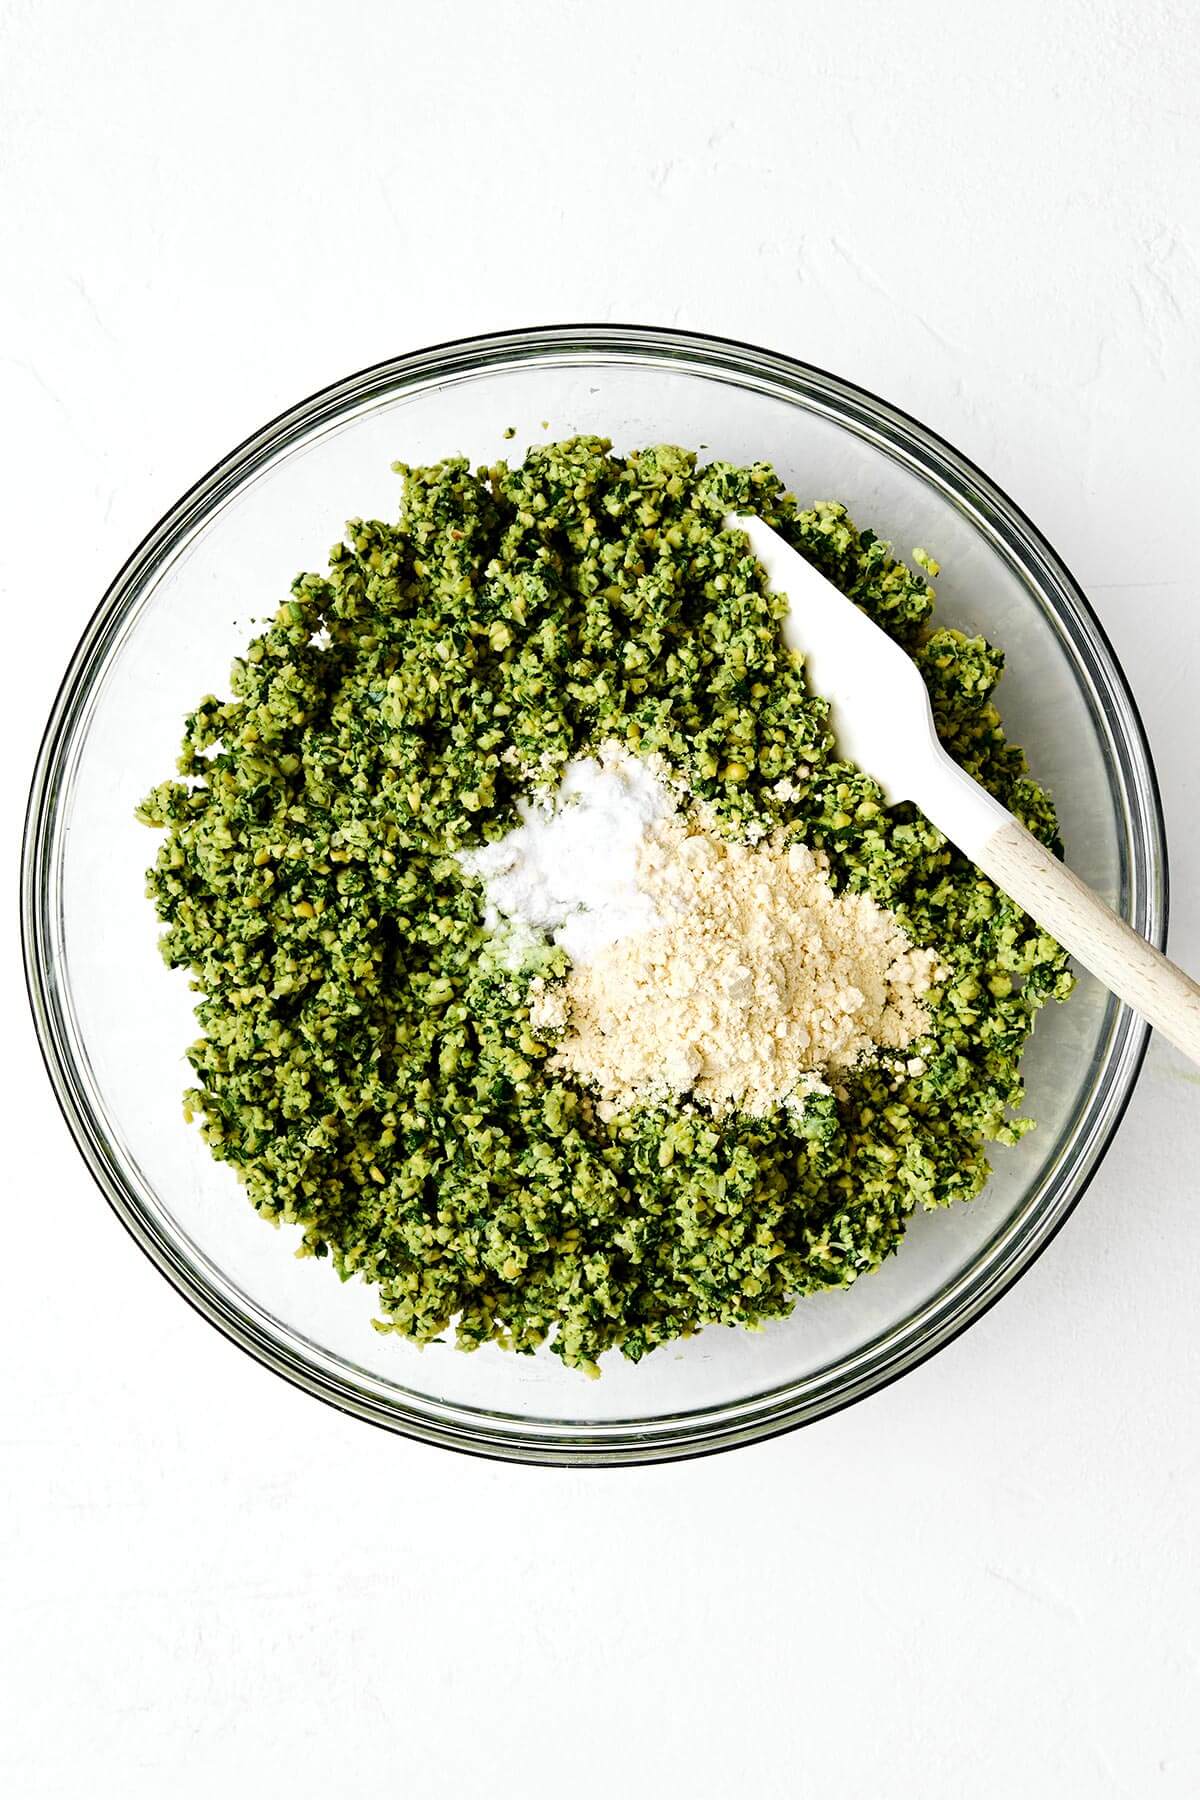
(368, 1067)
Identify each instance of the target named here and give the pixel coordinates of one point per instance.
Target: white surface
(983, 1580)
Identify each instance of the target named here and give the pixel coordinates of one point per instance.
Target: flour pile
(704, 967)
(569, 870)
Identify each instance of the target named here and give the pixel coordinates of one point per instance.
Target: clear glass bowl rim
(1144, 900)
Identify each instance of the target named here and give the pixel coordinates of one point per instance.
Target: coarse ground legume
(367, 1063)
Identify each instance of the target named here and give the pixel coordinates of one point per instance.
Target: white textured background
(981, 1582)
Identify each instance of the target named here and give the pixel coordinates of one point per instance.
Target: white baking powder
(569, 870)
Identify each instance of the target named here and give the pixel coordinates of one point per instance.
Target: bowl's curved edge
(547, 1451)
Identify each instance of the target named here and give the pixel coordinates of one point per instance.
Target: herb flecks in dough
(368, 1066)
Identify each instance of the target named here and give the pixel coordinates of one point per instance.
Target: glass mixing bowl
(114, 1022)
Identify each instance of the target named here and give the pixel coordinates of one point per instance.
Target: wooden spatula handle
(1094, 935)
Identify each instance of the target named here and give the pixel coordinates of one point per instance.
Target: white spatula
(881, 719)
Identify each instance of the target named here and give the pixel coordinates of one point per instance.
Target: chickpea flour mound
(374, 1056)
(758, 982)
(702, 965)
